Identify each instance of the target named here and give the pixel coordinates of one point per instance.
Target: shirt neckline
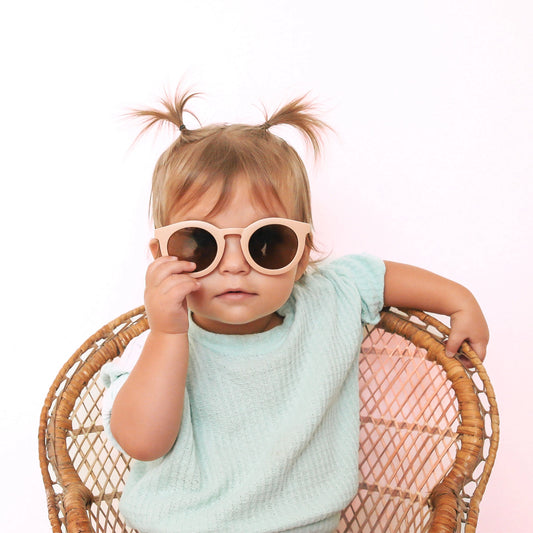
(250, 343)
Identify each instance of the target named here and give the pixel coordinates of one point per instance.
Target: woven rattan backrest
(429, 432)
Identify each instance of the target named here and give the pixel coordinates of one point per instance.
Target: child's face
(234, 298)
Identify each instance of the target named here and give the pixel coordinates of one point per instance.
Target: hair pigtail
(299, 113)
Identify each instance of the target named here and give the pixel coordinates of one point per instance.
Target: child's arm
(408, 286)
(147, 411)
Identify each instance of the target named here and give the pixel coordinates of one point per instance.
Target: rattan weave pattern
(429, 433)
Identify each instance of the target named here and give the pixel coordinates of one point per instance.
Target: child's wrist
(166, 337)
(167, 325)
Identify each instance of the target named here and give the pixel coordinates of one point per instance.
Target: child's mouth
(235, 294)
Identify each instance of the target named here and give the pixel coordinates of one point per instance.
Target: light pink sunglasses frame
(301, 229)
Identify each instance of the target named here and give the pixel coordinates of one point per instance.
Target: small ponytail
(298, 113)
(172, 114)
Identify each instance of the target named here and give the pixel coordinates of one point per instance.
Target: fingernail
(449, 354)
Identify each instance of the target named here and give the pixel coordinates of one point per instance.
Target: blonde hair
(221, 154)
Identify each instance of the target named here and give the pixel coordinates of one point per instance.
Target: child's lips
(235, 294)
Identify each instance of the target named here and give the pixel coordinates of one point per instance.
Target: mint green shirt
(269, 435)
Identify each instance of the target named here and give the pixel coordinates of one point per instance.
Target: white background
(431, 164)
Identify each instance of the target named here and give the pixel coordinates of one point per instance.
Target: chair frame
(452, 508)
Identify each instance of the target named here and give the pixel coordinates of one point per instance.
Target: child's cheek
(193, 298)
(198, 298)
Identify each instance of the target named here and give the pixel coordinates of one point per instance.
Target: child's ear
(154, 248)
(302, 265)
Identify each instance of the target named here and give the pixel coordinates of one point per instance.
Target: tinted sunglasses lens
(273, 246)
(193, 244)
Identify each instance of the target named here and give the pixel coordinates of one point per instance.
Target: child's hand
(167, 285)
(408, 286)
(468, 324)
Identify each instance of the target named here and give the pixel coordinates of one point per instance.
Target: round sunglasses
(271, 245)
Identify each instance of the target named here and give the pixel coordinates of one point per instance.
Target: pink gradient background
(431, 164)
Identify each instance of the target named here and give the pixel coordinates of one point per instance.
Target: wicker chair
(429, 433)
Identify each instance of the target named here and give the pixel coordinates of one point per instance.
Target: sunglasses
(271, 245)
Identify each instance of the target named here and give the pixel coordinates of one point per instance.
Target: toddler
(240, 403)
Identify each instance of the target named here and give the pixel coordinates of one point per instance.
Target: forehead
(205, 203)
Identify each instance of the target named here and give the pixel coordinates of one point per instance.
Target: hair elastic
(183, 127)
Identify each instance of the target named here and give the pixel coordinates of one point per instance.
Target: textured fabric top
(269, 435)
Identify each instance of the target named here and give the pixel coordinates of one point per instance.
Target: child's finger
(164, 267)
(454, 343)
(452, 347)
(158, 263)
(178, 287)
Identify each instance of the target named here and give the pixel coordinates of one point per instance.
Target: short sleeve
(114, 374)
(367, 274)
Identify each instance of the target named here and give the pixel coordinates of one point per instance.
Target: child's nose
(233, 260)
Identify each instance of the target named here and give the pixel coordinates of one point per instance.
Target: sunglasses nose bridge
(233, 256)
(231, 231)
(228, 232)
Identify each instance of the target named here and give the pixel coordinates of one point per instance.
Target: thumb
(454, 343)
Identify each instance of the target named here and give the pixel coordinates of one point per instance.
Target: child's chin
(235, 325)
